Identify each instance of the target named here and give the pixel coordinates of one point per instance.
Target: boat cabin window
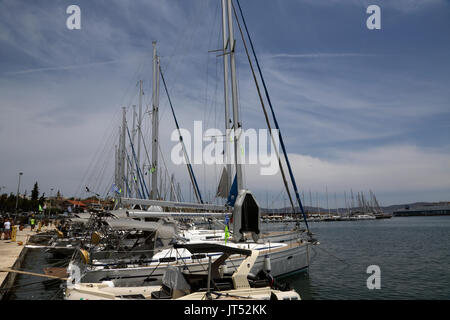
(167, 259)
(198, 256)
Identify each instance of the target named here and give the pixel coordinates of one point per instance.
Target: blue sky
(361, 109)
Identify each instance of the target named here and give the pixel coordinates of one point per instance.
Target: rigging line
(139, 173)
(265, 113)
(124, 178)
(101, 173)
(276, 122)
(88, 170)
(140, 66)
(208, 111)
(337, 258)
(146, 152)
(167, 171)
(189, 166)
(98, 152)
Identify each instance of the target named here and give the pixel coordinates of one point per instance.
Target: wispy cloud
(60, 68)
(335, 87)
(319, 55)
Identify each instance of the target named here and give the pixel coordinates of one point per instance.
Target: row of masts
(353, 204)
(129, 172)
(126, 167)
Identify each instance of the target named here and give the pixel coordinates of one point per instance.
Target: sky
(359, 109)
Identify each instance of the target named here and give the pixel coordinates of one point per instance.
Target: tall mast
(310, 201)
(335, 200)
(346, 203)
(123, 151)
(116, 164)
(226, 94)
(317, 202)
(139, 131)
(328, 208)
(236, 123)
(155, 103)
(134, 185)
(353, 201)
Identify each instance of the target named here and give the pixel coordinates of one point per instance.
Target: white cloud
(394, 169)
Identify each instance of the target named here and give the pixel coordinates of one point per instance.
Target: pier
(12, 254)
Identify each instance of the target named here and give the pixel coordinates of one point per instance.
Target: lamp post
(50, 209)
(18, 187)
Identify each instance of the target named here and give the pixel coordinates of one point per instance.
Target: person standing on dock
(1, 228)
(7, 230)
(32, 222)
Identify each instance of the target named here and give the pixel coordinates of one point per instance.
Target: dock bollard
(13, 233)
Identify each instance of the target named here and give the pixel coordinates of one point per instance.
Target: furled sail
(223, 188)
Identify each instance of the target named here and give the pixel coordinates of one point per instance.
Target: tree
(35, 192)
(34, 197)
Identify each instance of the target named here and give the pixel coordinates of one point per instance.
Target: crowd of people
(7, 223)
(5, 228)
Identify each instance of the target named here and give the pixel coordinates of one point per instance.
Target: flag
(227, 234)
(115, 189)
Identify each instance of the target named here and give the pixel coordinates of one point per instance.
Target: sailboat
(277, 257)
(213, 282)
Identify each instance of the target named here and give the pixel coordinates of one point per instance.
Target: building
(432, 210)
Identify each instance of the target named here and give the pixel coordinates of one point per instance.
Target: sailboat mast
(226, 94)
(123, 151)
(310, 201)
(134, 185)
(155, 122)
(139, 124)
(236, 123)
(328, 207)
(116, 164)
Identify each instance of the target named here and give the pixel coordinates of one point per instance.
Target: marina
(341, 276)
(200, 151)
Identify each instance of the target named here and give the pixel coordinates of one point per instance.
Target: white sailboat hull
(290, 258)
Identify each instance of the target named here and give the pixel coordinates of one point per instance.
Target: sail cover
(222, 189)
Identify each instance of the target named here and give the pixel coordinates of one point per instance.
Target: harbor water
(412, 253)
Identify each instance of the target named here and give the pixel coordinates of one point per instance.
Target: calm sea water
(413, 254)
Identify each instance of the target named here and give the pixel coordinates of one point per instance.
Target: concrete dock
(12, 255)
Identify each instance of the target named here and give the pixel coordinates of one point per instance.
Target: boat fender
(267, 266)
(95, 238)
(109, 283)
(84, 256)
(223, 270)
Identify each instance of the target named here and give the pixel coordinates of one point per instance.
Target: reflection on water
(412, 253)
(36, 288)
